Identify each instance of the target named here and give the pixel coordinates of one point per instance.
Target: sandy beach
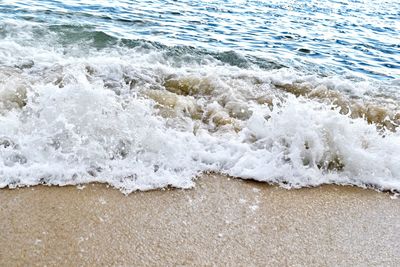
(223, 221)
(113, 98)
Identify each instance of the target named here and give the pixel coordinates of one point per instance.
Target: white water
(137, 120)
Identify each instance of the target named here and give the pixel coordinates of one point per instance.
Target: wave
(147, 116)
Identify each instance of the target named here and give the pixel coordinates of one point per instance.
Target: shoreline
(222, 221)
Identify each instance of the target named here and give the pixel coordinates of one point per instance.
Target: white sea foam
(137, 119)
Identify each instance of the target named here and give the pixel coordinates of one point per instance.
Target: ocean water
(149, 94)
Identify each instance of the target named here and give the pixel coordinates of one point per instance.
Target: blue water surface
(347, 37)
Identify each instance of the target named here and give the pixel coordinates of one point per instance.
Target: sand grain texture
(221, 222)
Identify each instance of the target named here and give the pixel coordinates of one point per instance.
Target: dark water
(359, 38)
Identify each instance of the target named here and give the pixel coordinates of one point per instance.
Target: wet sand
(221, 222)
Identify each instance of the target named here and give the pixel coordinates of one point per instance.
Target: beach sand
(222, 221)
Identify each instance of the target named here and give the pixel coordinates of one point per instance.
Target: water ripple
(358, 37)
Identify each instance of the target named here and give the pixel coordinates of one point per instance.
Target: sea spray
(124, 122)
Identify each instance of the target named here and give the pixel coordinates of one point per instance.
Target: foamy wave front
(138, 118)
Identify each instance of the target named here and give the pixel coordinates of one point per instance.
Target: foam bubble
(138, 120)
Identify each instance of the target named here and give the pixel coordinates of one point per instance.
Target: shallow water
(144, 94)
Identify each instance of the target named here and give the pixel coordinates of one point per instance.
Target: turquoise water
(149, 94)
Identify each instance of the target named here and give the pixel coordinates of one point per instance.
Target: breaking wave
(140, 115)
